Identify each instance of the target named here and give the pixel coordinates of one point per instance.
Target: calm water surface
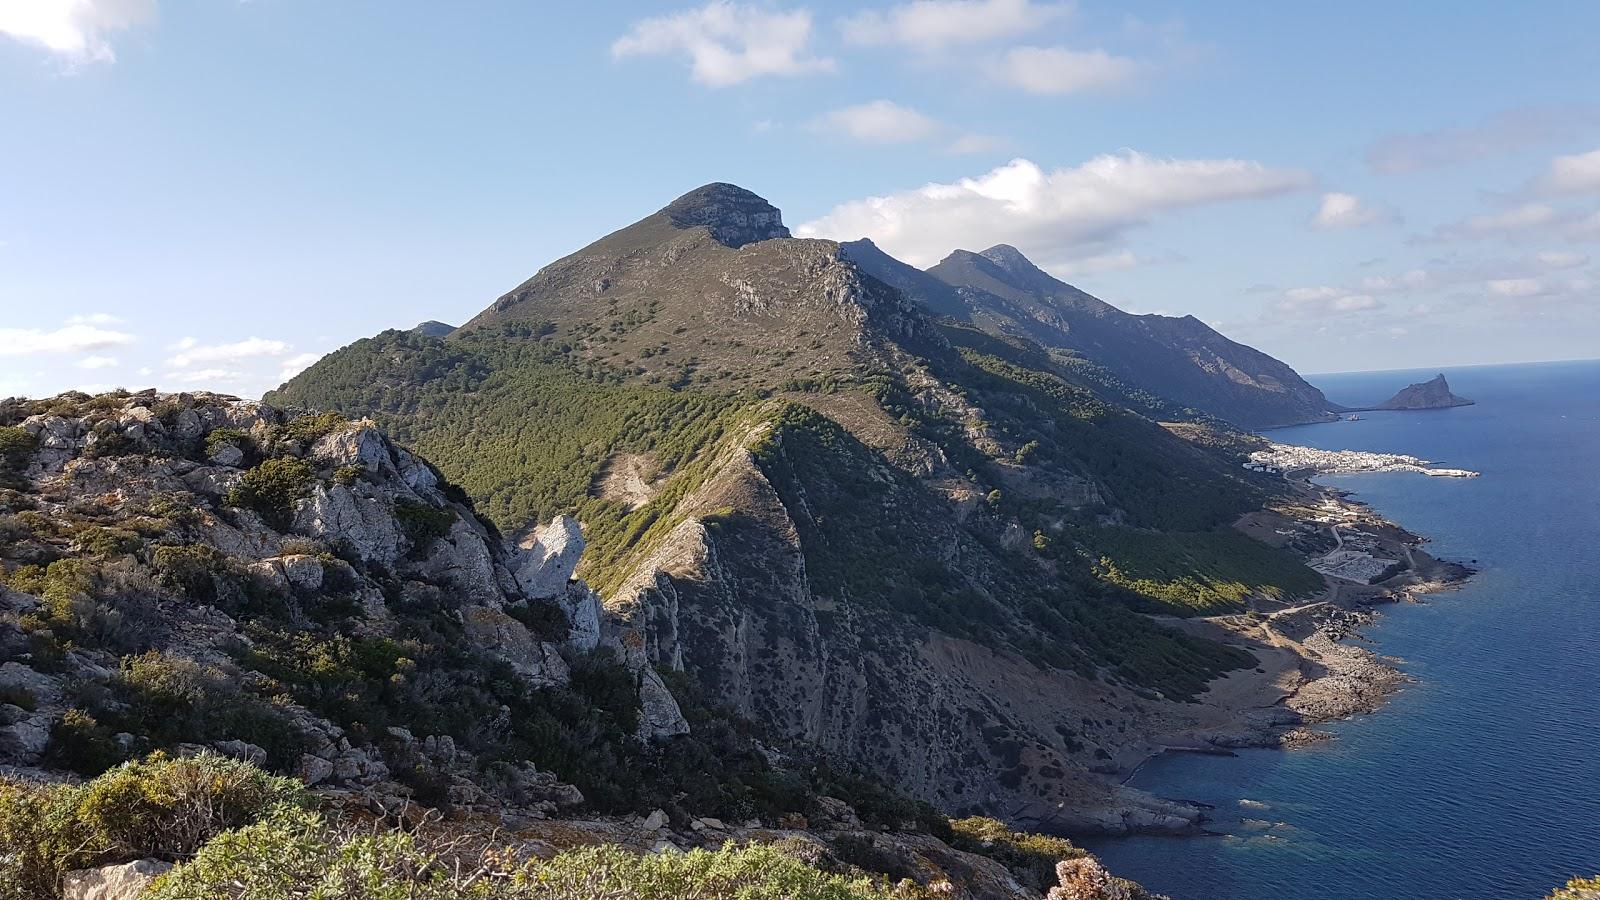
(1482, 780)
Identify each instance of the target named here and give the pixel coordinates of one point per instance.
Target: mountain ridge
(831, 507)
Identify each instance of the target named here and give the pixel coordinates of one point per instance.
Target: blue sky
(210, 193)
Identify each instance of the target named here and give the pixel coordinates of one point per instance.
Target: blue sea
(1482, 779)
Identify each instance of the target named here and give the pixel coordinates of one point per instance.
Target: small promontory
(1434, 394)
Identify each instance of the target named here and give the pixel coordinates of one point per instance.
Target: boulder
(335, 512)
(226, 454)
(313, 769)
(244, 750)
(302, 571)
(1086, 879)
(656, 821)
(124, 882)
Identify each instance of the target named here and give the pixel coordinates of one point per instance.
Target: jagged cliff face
(1180, 360)
(895, 538)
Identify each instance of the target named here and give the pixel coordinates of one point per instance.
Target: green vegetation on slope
(874, 537)
(525, 429)
(1197, 572)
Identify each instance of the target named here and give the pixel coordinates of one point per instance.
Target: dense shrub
(170, 699)
(310, 429)
(421, 523)
(1031, 857)
(189, 569)
(79, 743)
(102, 540)
(161, 807)
(272, 488)
(16, 448)
(297, 854)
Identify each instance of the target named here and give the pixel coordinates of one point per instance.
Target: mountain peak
(1009, 258)
(733, 215)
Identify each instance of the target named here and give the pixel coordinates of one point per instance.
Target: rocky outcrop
(494, 631)
(733, 215)
(1087, 879)
(547, 556)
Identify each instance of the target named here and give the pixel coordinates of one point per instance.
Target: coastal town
(1290, 459)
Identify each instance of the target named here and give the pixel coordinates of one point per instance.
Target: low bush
(160, 807)
(79, 743)
(1031, 857)
(422, 524)
(16, 448)
(310, 429)
(189, 569)
(272, 488)
(298, 854)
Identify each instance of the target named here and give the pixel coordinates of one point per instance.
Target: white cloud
(77, 30)
(192, 354)
(92, 318)
(1057, 70)
(78, 338)
(728, 43)
(1115, 261)
(972, 144)
(1325, 301)
(1340, 211)
(201, 379)
(1523, 217)
(1558, 259)
(1515, 287)
(1576, 174)
(294, 365)
(1505, 133)
(97, 362)
(1414, 280)
(929, 25)
(1055, 217)
(878, 122)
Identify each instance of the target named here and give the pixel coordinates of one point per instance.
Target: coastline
(1315, 669)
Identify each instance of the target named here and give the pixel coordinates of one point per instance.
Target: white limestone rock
(124, 882)
(545, 559)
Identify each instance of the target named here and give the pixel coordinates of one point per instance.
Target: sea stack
(1434, 394)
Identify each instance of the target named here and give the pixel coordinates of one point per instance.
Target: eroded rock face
(546, 558)
(497, 633)
(365, 523)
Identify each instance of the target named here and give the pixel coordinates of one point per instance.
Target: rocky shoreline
(1314, 668)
